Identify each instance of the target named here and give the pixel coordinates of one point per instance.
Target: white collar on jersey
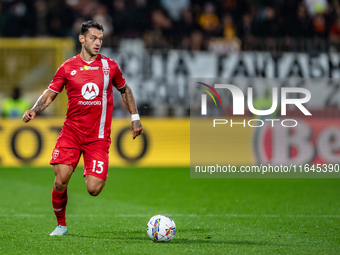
(88, 62)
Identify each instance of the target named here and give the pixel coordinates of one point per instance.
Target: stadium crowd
(182, 24)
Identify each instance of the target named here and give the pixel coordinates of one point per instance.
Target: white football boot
(59, 231)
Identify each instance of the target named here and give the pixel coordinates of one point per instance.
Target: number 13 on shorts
(98, 164)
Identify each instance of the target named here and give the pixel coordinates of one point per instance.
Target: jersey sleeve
(58, 81)
(118, 80)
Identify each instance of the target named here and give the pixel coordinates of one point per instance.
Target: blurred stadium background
(159, 45)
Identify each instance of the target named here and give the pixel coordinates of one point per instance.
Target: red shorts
(70, 145)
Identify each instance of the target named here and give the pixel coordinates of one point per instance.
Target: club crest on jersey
(106, 70)
(90, 91)
(55, 154)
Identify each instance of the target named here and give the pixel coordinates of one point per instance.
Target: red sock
(59, 201)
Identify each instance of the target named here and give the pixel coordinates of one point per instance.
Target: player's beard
(88, 50)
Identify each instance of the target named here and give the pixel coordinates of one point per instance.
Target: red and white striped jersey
(89, 89)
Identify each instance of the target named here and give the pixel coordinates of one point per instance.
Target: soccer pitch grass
(213, 216)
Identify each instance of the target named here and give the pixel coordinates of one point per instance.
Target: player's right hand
(28, 115)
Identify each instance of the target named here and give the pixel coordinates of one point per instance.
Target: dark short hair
(86, 25)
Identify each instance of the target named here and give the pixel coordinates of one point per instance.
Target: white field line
(174, 215)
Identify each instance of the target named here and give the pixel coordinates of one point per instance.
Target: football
(161, 228)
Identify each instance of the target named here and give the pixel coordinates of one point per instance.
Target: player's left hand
(136, 128)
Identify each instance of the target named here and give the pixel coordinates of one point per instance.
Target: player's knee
(93, 193)
(95, 190)
(60, 185)
(94, 185)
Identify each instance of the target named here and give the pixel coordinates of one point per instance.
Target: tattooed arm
(129, 101)
(42, 103)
